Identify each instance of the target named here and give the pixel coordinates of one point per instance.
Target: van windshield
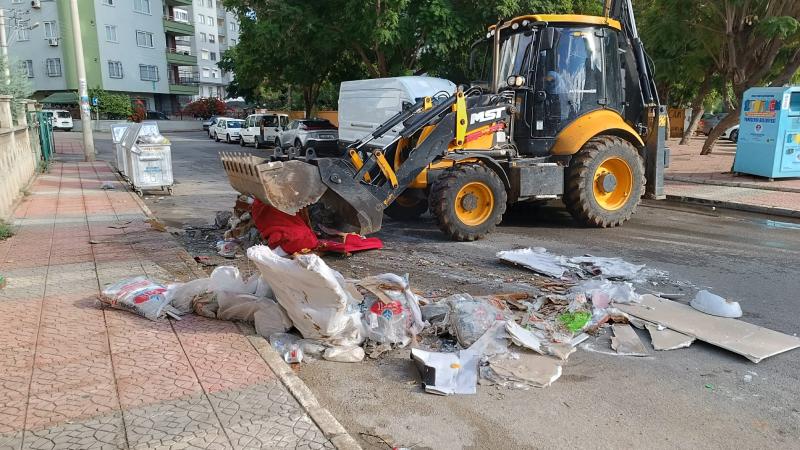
(63, 114)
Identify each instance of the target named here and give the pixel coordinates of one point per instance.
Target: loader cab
(557, 69)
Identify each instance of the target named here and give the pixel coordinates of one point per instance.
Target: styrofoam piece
(715, 305)
(536, 259)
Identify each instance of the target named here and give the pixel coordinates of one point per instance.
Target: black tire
(256, 142)
(278, 144)
(579, 195)
(241, 141)
(216, 137)
(735, 136)
(407, 207)
(443, 201)
(227, 138)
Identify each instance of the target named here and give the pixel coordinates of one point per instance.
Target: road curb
(732, 184)
(328, 424)
(770, 210)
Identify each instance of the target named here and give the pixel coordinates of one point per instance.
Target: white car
(59, 118)
(262, 130)
(319, 134)
(228, 129)
(731, 134)
(212, 129)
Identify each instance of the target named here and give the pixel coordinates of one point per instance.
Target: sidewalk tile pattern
(75, 374)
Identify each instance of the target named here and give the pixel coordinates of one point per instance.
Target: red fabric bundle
(350, 244)
(291, 233)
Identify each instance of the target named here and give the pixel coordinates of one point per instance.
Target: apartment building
(148, 49)
(216, 30)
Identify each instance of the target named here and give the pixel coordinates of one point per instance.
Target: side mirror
(548, 38)
(515, 81)
(541, 96)
(277, 129)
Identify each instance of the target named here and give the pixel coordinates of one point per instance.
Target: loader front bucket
(289, 186)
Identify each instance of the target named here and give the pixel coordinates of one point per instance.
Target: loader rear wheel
(468, 201)
(605, 181)
(407, 207)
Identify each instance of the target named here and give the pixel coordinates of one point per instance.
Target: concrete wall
(19, 155)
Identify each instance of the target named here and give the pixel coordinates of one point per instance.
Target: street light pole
(4, 47)
(83, 90)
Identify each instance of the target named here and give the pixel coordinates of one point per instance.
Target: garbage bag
(181, 295)
(316, 298)
(471, 318)
(344, 354)
(391, 312)
(601, 291)
(140, 295)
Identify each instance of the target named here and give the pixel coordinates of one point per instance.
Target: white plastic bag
(317, 299)
(391, 311)
(471, 318)
(140, 295)
(344, 354)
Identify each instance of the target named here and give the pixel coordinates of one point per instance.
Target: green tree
(17, 86)
(110, 105)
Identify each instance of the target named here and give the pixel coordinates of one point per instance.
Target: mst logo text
(485, 116)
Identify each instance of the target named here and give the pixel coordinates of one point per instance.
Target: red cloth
(350, 244)
(291, 233)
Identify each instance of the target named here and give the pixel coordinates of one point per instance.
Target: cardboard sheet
(626, 342)
(666, 339)
(751, 341)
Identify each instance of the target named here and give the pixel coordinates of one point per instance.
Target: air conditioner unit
(53, 42)
(36, 4)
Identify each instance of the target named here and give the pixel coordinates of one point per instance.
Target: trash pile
(253, 222)
(517, 340)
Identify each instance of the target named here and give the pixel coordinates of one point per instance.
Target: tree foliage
(110, 105)
(17, 86)
(206, 107)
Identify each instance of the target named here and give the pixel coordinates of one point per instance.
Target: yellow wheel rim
(474, 203)
(613, 183)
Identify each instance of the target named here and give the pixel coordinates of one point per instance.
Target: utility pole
(83, 89)
(4, 47)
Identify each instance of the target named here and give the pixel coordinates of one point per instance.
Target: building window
(115, 69)
(50, 31)
(181, 15)
(144, 39)
(24, 34)
(210, 3)
(53, 67)
(201, 19)
(232, 26)
(142, 6)
(206, 73)
(203, 37)
(108, 2)
(204, 54)
(213, 56)
(111, 33)
(148, 73)
(215, 73)
(27, 67)
(211, 38)
(16, 1)
(201, 3)
(210, 20)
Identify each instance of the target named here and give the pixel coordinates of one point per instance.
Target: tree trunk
(724, 124)
(310, 95)
(697, 108)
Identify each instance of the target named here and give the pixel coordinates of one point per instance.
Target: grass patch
(5, 230)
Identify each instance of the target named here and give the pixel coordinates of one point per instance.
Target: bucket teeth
(289, 186)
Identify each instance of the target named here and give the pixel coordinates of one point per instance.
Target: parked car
(709, 121)
(319, 134)
(262, 130)
(212, 129)
(156, 115)
(731, 133)
(208, 122)
(59, 118)
(228, 129)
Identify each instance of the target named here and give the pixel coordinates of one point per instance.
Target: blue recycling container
(769, 133)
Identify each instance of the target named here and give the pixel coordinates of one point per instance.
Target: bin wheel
(139, 192)
(169, 189)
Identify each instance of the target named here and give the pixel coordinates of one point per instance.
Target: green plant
(18, 86)
(5, 230)
(110, 105)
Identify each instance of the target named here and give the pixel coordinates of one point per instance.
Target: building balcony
(221, 30)
(180, 57)
(184, 83)
(178, 2)
(178, 27)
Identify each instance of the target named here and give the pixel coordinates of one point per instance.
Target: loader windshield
(515, 51)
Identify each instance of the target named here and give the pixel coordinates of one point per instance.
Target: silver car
(319, 134)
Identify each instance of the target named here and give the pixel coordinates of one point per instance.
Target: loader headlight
(515, 81)
(515, 25)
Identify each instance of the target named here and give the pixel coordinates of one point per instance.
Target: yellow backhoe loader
(565, 107)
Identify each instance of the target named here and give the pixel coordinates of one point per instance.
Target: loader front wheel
(605, 181)
(468, 201)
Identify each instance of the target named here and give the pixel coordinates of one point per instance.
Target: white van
(262, 130)
(365, 104)
(60, 119)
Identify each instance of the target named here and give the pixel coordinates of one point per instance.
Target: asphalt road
(689, 398)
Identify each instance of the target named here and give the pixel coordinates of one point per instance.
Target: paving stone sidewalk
(75, 375)
(708, 178)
